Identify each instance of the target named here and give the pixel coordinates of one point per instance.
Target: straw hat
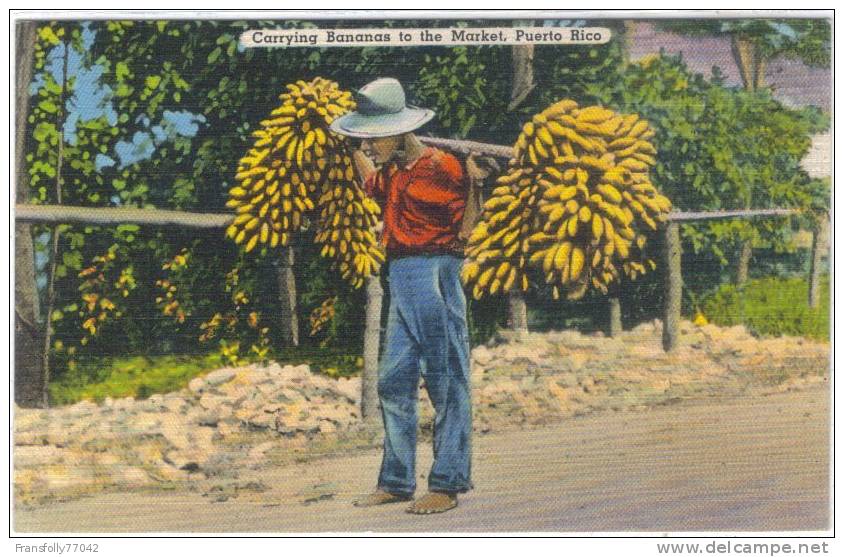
(381, 112)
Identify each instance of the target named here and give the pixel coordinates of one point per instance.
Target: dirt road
(748, 463)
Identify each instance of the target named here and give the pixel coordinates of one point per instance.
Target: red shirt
(422, 204)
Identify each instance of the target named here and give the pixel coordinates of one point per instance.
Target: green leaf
(152, 81)
(214, 54)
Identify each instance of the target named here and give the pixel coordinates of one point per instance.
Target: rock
(175, 404)
(197, 384)
(482, 355)
(228, 426)
(141, 423)
(210, 401)
(175, 432)
(349, 387)
(326, 426)
(262, 420)
(219, 377)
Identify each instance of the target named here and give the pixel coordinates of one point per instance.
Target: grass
(771, 307)
(143, 376)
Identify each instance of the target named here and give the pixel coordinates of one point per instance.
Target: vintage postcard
(562, 273)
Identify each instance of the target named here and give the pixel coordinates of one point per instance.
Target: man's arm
(363, 164)
(367, 171)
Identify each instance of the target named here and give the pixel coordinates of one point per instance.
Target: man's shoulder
(445, 162)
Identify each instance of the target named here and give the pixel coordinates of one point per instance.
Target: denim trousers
(427, 335)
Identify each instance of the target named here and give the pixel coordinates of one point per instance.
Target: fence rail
(113, 216)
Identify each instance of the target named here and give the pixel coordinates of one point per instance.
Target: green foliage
(717, 146)
(772, 307)
(143, 376)
(722, 148)
(137, 376)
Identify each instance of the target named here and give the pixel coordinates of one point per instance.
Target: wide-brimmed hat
(381, 112)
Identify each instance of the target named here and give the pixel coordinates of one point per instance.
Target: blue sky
(92, 99)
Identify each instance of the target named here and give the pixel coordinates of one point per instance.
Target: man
(422, 192)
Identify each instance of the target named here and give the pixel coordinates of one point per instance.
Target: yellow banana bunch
(295, 160)
(347, 217)
(576, 205)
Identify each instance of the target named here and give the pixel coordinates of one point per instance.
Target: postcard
(565, 274)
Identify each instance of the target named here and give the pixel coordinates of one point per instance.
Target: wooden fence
(112, 216)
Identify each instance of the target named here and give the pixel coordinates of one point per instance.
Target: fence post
(819, 238)
(518, 312)
(673, 287)
(287, 298)
(615, 316)
(371, 345)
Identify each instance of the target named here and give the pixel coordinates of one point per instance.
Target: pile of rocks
(222, 419)
(234, 418)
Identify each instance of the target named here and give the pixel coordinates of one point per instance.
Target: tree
(754, 43)
(29, 372)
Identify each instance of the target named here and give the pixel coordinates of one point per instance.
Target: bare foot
(380, 497)
(433, 502)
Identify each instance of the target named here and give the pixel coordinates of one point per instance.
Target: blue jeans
(427, 334)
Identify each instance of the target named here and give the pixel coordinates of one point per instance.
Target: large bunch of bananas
(576, 205)
(346, 221)
(295, 161)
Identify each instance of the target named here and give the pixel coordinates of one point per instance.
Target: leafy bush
(771, 306)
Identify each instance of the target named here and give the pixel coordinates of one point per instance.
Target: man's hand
(479, 168)
(363, 164)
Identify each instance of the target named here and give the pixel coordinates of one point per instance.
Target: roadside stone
(219, 377)
(482, 355)
(196, 385)
(263, 420)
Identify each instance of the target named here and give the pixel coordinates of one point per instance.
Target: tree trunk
(615, 317)
(29, 380)
(673, 295)
(744, 56)
(54, 238)
(371, 348)
(287, 298)
(743, 263)
(518, 312)
(627, 41)
(819, 247)
(523, 83)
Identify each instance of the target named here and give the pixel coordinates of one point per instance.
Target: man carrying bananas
(422, 192)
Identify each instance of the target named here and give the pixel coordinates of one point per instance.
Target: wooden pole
(518, 312)
(673, 287)
(818, 249)
(371, 348)
(112, 216)
(287, 298)
(615, 316)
